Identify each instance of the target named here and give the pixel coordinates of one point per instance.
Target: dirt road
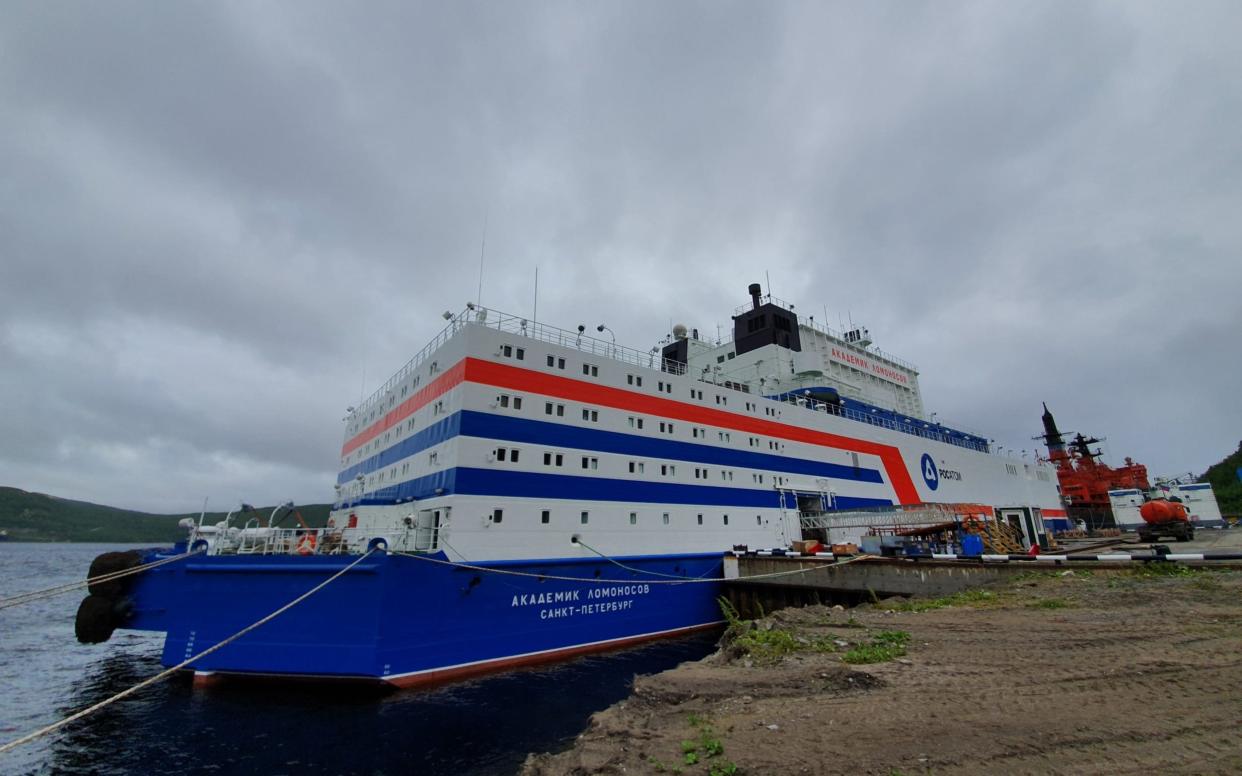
(1087, 673)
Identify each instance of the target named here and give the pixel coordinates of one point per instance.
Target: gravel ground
(1066, 673)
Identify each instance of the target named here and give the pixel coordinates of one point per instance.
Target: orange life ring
(306, 544)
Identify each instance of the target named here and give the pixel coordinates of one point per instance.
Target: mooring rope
(37, 595)
(183, 664)
(678, 581)
(618, 563)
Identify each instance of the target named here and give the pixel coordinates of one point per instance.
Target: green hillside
(1225, 484)
(36, 517)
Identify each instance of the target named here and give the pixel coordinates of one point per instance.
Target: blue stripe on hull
(398, 616)
(560, 435)
(499, 482)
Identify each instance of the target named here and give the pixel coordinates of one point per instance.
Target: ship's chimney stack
(755, 289)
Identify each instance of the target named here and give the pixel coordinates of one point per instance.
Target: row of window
(584, 518)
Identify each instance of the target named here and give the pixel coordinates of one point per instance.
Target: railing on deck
(256, 540)
(651, 359)
(516, 324)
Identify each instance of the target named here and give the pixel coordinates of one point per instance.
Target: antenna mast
(482, 249)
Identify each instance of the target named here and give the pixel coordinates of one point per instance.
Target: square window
(560, 363)
(547, 408)
(666, 518)
(547, 459)
(700, 520)
(507, 350)
(560, 459)
(726, 519)
(500, 454)
(517, 402)
(633, 518)
(586, 517)
(545, 517)
(521, 354)
(504, 400)
(513, 456)
(551, 361)
(498, 515)
(560, 410)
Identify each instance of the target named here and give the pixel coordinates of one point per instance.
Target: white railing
(221, 539)
(516, 324)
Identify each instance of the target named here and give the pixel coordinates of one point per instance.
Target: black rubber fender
(97, 619)
(108, 563)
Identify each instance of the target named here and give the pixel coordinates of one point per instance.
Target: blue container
(972, 544)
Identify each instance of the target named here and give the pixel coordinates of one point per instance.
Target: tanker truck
(1165, 517)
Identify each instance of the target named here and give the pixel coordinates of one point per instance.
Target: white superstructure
(509, 439)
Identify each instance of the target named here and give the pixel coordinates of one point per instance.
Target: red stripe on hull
(431, 678)
(208, 679)
(515, 378)
(505, 376)
(436, 388)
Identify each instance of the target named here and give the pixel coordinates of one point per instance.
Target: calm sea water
(482, 727)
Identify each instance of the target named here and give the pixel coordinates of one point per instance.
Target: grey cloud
(214, 218)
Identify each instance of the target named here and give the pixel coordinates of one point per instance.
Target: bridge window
(591, 370)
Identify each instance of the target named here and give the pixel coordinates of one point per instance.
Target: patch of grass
(766, 645)
(884, 646)
(974, 597)
(707, 746)
(1049, 603)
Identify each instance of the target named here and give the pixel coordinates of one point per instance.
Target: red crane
(1085, 480)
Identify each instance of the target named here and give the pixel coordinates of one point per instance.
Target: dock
(766, 580)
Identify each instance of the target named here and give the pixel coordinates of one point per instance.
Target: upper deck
(408, 379)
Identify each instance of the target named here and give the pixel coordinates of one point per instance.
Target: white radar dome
(679, 331)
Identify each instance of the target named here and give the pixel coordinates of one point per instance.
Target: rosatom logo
(931, 475)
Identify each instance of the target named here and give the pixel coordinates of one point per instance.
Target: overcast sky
(215, 217)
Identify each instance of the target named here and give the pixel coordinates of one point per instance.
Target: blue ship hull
(409, 621)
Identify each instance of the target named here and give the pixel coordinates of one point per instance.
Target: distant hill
(1225, 484)
(37, 517)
